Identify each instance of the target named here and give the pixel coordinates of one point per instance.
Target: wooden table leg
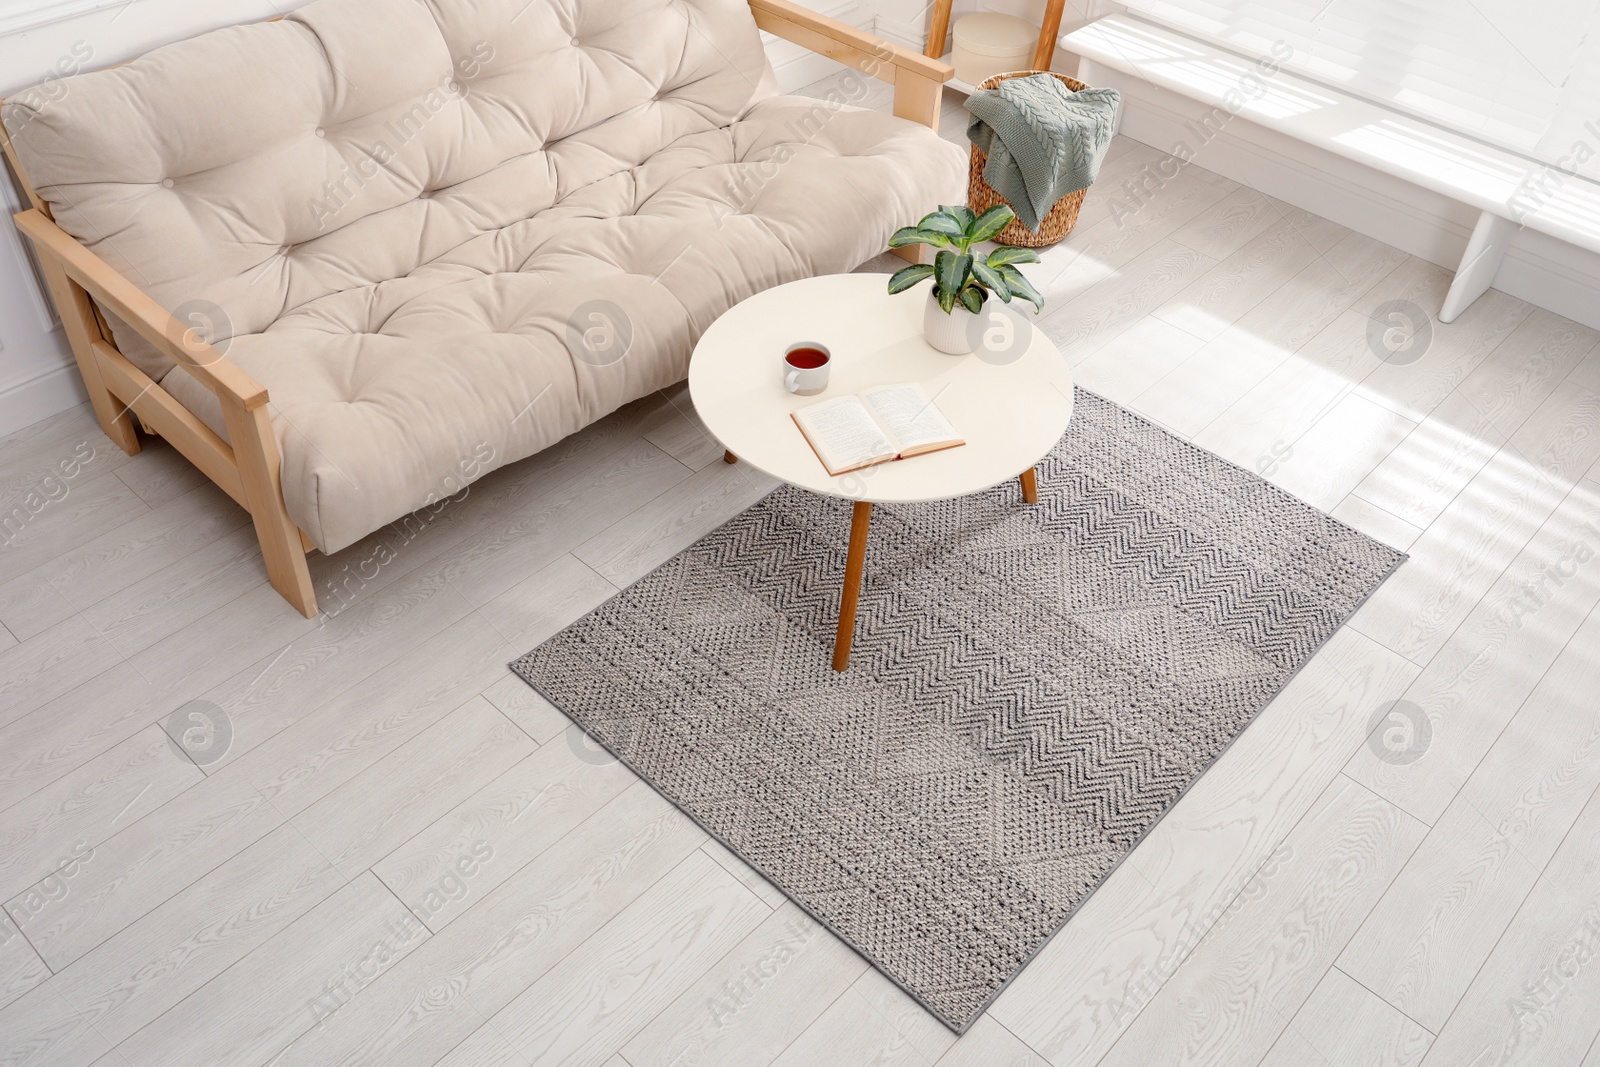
(729, 457)
(1030, 487)
(860, 518)
(1045, 51)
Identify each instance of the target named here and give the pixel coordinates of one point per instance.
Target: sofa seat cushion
(390, 396)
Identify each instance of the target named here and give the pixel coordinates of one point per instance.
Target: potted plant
(962, 280)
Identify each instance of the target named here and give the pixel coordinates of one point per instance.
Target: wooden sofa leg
(255, 449)
(83, 329)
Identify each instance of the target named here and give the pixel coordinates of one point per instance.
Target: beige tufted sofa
(441, 235)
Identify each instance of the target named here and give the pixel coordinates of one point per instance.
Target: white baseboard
(29, 399)
(1539, 269)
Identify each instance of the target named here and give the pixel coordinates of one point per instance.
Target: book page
(913, 421)
(843, 435)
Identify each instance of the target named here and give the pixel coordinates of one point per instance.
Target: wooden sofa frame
(248, 469)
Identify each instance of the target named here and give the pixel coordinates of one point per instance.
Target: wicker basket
(981, 195)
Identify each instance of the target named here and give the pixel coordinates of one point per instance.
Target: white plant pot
(950, 333)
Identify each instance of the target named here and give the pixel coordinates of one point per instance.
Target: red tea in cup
(806, 358)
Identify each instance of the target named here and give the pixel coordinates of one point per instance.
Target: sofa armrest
(918, 80)
(133, 306)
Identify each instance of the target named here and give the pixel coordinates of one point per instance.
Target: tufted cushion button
(167, 183)
(574, 42)
(321, 132)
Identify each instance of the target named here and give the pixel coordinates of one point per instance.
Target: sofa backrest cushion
(254, 168)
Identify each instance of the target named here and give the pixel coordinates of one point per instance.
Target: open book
(877, 425)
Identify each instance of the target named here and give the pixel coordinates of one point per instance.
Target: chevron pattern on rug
(1031, 687)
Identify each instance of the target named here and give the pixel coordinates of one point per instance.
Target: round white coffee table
(1010, 402)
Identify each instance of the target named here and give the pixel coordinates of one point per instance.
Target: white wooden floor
(393, 853)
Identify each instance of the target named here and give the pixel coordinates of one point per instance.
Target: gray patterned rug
(1031, 688)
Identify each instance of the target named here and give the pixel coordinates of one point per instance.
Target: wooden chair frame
(248, 466)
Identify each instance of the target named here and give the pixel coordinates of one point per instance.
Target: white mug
(805, 368)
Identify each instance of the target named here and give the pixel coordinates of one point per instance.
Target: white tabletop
(1011, 408)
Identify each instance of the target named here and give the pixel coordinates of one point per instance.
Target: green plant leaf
(990, 279)
(906, 277)
(999, 257)
(972, 299)
(939, 222)
(952, 271)
(1022, 287)
(991, 222)
(910, 235)
(961, 213)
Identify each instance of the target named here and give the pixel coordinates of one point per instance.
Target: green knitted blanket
(1042, 140)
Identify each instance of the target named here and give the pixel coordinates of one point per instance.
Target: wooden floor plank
(1465, 551)
(1331, 458)
(1225, 293)
(273, 694)
(988, 1044)
(1490, 664)
(1101, 312)
(1133, 235)
(676, 429)
(141, 866)
(1120, 369)
(171, 532)
(250, 1013)
(64, 1036)
(1343, 1023)
(45, 667)
(1436, 461)
(435, 1000)
(443, 870)
(1230, 223)
(590, 1003)
(1522, 372)
(1413, 387)
(1536, 1000)
(750, 1004)
(79, 725)
(1260, 962)
(1217, 376)
(177, 948)
(1431, 932)
(195, 584)
(522, 704)
(162, 474)
(21, 969)
(82, 808)
(44, 520)
(872, 1022)
(368, 817)
(345, 737)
